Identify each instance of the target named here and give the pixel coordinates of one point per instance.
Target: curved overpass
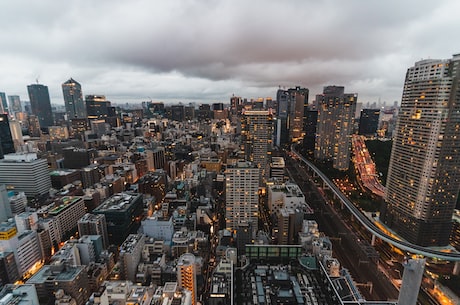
(371, 227)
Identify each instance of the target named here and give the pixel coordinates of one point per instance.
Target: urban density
(298, 199)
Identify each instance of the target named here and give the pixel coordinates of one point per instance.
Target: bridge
(372, 227)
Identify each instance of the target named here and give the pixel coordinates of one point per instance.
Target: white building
(158, 227)
(130, 255)
(288, 195)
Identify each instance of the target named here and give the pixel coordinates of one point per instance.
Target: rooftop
(118, 202)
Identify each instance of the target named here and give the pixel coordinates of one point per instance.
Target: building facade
(424, 177)
(73, 99)
(257, 138)
(335, 126)
(41, 104)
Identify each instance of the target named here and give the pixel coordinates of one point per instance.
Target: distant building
(369, 122)
(3, 103)
(6, 139)
(41, 104)
(335, 126)
(15, 103)
(58, 133)
(61, 178)
(73, 99)
(97, 107)
(77, 158)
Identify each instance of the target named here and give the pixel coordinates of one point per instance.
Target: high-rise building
(94, 224)
(186, 274)
(291, 115)
(335, 126)
(369, 122)
(41, 104)
(257, 138)
(73, 99)
(26, 173)
(97, 107)
(3, 103)
(5, 207)
(15, 103)
(242, 186)
(423, 177)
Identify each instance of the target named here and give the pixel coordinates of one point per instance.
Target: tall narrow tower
(424, 173)
(41, 104)
(186, 274)
(73, 98)
(257, 136)
(335, 126)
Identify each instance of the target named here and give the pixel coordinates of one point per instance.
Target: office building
(15, 103)
(77, 158)
(335, 126)
(33, 123)
(97, 107)
(25, 173)
(94, 224)
(8, 268)
(286, 195)
(277, 167)
(423, 177)
(72, 279)
(63, 177)
(369, 122)
(16, 134)
(18, 202)
(3, 103)
(41, 105)
(73, 99)
(58, 133)
(242, 198)
(5, 207)
(22, 294)
(6, 139)
(130, 256)
(292, 105)
(186, 274)
(257, 139)
(123, 213)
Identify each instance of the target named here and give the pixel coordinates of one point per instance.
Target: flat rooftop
(119, 202)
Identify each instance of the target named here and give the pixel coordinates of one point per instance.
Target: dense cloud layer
(207, 50)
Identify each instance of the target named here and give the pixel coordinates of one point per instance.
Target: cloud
(191, 49)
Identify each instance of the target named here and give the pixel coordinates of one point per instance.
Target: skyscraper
(291, 115)
(257, 134)
(424, 172)
(242, 186)
(3, 103)
(335, 126)
(369, 122)
(15, 103)
(73, 99)
(41, 104)
(6, 139)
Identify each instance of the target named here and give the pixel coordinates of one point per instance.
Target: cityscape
(254, 201)
(229, 153)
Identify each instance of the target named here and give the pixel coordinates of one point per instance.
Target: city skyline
(204, 52)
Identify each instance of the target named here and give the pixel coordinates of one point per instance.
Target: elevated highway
(372, 227)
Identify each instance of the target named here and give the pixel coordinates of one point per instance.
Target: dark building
(154, 184)
(78, 158)
(78, 128)
(6, 139)
(73, 99)
(8, 269)
(369, 122)
(123, 214)
(61, 178)
(90, 175)
(310, 131)
(189, 112)
(3, 103)
(204, 112)
(177, 113)
(97, 107)
(291, 115)
(41, 105)
(153, 108)
(34, 126)
(236, 105)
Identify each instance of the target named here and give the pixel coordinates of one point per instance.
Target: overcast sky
(205, 51)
